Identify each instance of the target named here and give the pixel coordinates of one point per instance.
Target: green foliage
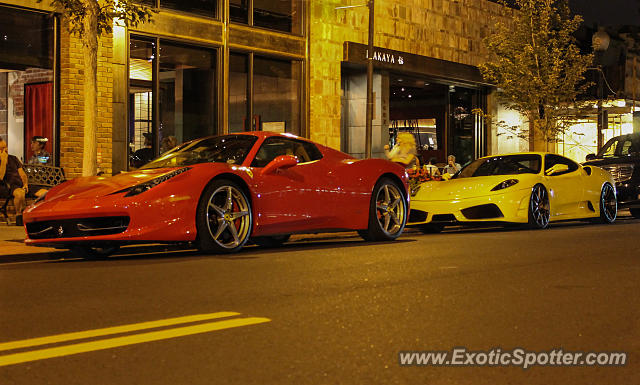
(536, 63)
(126, 12)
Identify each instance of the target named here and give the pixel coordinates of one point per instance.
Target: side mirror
(281, 162)
(557, 169)
(591, 157)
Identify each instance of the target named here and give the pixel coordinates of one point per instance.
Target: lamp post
(600, 42)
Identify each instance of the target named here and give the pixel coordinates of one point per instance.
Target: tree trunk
(90, 88)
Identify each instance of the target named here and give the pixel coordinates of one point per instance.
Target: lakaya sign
(386, 57)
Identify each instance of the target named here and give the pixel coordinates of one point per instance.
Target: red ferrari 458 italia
(220, 193)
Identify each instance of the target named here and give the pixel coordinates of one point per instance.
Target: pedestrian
(452, 167)
(13, 180)
(40, 155)
(404, 151)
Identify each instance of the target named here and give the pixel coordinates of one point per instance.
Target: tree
(89, 20)
(537, 66)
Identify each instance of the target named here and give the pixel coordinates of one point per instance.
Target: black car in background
(621, 157)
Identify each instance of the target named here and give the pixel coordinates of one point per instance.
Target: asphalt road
(330, 310)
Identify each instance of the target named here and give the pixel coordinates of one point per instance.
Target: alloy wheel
(609, 203)
(540, 210)
(227, 217)
(390, 209)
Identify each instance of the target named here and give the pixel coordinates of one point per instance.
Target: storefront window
(238, 89)
(199, 7)
(276, 92)
(239, 11)
(186, 95)
(187, 92)
(279, 15)
(26, 81)
(463, 124)
(142, 55)
(419, 106)
(282, 15)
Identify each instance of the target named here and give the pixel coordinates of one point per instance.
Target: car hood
(96, 187)
(464, 188)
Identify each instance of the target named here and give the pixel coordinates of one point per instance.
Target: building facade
(223, 66)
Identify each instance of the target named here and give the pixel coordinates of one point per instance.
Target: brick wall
(444, 29)
(71, 104)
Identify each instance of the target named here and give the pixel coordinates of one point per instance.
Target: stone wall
(444, 29)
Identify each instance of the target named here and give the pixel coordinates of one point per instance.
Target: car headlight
(505, 184)
(142, 187)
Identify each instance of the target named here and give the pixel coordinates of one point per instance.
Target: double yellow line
(83, 347)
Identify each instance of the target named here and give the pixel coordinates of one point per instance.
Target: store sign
(385, 57)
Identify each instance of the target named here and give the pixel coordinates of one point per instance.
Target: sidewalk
(13, 249)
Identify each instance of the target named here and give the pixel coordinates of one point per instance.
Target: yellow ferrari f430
(527, 188)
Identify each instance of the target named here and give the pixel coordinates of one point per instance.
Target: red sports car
(219, 192)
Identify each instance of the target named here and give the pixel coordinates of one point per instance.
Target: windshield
(609, 149)
(231, 149)
(502, 165)
(620, 146)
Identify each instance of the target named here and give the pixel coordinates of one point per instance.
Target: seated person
(145, 154)
(40, 155)
(431, 168)
(13, 180)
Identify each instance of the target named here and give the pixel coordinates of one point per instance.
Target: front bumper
(512, 205)
(628, 194)
(148, 218)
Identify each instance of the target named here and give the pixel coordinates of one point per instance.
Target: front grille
(444, 218)
(620, 172)
(417, 216)
(73, 228)
(482, 212)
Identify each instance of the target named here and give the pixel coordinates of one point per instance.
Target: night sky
(608, 12)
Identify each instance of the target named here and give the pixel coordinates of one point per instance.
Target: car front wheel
(608, 204)
(539, 208)
(223, 218)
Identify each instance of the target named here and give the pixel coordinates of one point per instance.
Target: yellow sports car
(527, 188)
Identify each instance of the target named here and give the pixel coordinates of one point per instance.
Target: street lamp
(600, 42)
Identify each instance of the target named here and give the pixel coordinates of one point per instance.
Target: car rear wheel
(539, 208)
(94, 253)
(387, 212)
(635, 212)
(223, 218)
(273, 241)
(608, 204)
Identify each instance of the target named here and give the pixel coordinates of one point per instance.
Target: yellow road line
(112, 330)
(17, 358)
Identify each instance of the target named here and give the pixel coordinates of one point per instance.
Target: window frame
(573, 166)
(303, 143)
